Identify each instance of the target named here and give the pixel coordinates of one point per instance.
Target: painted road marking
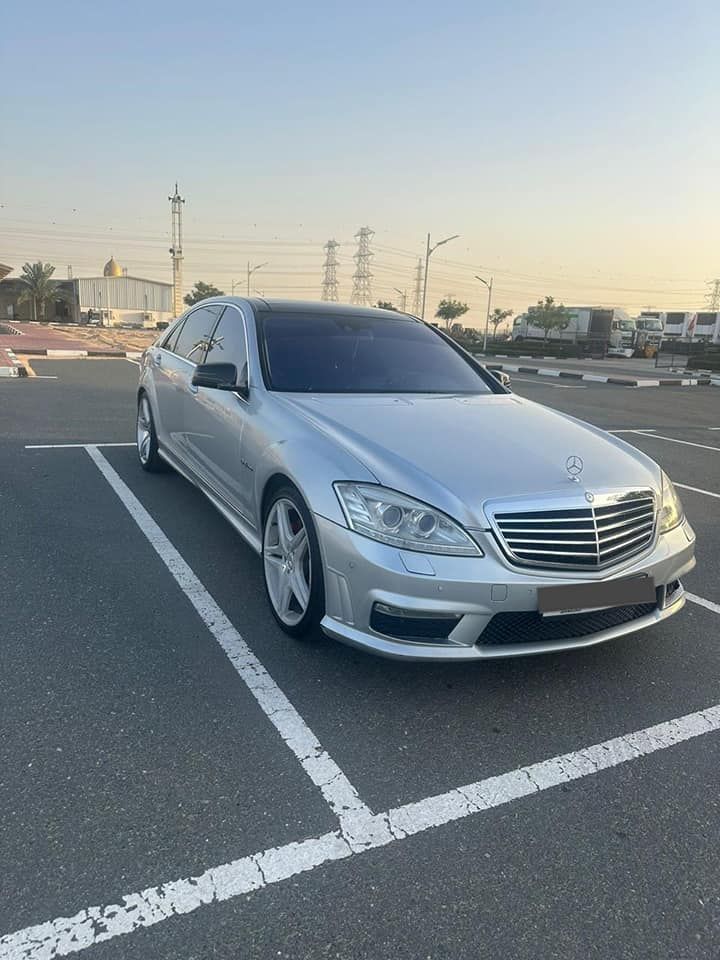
(686, 443)
(74, 446)
(635, 430)
(686, 486)
(130, 360)
(151, 906)
(702, 602)
(553, 386)
(357, 823)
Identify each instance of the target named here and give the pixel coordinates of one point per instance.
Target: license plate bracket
(565, 599)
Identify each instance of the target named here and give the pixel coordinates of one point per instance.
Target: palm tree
(38, 285)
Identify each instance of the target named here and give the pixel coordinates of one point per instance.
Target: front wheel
(146, 438)
(292, 564)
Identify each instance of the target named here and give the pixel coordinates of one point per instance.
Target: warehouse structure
(113, 299)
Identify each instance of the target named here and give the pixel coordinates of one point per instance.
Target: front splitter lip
(403, 650)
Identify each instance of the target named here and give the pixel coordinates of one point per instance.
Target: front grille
(612, 529)
(531, 627)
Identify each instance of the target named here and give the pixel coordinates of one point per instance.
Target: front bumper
(361, 573)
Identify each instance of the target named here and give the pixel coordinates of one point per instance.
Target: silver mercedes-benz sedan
(399, 495)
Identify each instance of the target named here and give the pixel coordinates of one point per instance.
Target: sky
(574, 147)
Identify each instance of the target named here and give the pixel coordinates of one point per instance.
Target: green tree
(386, 305)
(201, 291)
(549, 315)
(497, 317)
(38, 286)
(449, 310)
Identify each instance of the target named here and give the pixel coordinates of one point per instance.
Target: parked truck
(607, 330)
(649, 337)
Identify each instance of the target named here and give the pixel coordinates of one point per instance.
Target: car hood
(458, 452)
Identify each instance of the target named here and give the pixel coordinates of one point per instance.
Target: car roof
(261, 305)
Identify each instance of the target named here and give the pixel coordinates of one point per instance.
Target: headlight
(392, 518)
(671, 510)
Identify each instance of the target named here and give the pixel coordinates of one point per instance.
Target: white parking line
(686, 486)
(702, 602)
(356, 820)
(635, 430)
(74, 446)
(151, 906)
(130, 360)
(686, 443)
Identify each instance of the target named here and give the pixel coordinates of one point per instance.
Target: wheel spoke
(300, 588)
(283, 525)
(285, 595)
(298, 543)
(145, 446)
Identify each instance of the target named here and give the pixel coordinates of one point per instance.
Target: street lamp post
(487, 316)
(403, 298)
(428, 253)
(251, 271)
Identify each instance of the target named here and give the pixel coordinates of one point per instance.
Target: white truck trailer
(594, 327)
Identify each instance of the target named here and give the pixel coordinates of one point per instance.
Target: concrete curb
(16, 369)
(702, 381)
(81, 354)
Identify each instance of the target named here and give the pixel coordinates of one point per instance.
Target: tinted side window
(196, 332)
(171, 339)
(228, 344)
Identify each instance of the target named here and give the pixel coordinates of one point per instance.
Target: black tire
(151, 460)
(316, 605)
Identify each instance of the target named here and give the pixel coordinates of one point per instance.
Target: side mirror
(216, 376)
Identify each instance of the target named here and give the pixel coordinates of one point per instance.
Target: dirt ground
(110, 337)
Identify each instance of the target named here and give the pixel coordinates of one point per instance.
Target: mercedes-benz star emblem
(574, 467)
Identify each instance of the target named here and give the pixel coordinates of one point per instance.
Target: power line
(330, 281)
(362, 291)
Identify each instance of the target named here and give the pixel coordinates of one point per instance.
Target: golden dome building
(112, 268)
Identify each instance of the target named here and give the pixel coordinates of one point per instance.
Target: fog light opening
(418, 626)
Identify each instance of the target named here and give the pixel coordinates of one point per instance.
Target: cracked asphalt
(133, 754)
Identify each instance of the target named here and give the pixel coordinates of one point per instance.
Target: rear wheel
(292, 564)
(146, 438)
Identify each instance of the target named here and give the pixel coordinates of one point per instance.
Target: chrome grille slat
(615, 527)
(634, 529)
(624, 513)
(648, 515)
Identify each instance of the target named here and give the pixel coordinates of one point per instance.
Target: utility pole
(713, 297)
(417, 296)
(403, 298)
(251, 271)
(428, 253)
(487, 315)
(362, 292)
(176, 251)
(330, 281)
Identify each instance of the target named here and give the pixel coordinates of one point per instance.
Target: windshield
(359, 354)
(626, 324)
(651, 324)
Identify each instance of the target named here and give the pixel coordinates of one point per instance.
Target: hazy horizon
(573, 149)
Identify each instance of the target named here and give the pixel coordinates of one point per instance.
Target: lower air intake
(531, 627)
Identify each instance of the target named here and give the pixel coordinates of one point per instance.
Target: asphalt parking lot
(179, 779)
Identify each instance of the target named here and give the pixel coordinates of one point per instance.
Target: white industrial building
(113, 299)
(116, 298)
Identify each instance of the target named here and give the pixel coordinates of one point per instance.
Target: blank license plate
(583, 597)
